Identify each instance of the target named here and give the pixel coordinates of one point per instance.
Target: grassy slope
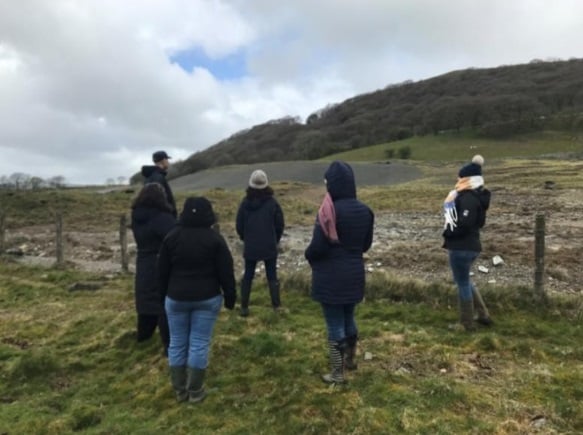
(69, 363)
(460, 147)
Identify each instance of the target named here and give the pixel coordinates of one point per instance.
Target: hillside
(492, 103)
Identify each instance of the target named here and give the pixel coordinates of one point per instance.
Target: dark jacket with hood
(471, 207)
(154, 174)
(338, 268)
(194, 261)
(149, 225)
(260, 224)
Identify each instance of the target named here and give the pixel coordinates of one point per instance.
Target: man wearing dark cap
(157, 174)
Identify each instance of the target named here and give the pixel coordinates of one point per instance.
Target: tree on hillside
(57, 182)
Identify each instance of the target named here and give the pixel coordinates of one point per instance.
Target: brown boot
(350, 353)
(481, 308)
(467, 315)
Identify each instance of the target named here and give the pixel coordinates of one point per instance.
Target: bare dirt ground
(405, 244)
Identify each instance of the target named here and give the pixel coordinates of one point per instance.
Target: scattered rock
(492, 281)
(550, 185)
(483, 269)
(15, 251)
(538, 421)
(85, 286)
(497, 260)
(367, 356)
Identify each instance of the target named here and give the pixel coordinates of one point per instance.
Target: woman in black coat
(465, 209)
(342, 233)
(151, 220)
(260, 225)
(194, 264)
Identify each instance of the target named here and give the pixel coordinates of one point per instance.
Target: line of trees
(22, 181)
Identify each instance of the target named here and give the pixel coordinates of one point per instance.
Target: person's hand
(230, 301)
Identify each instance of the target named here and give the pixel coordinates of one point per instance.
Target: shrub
(404, 152)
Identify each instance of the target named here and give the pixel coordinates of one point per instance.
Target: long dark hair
(152, 195)
(253, 193)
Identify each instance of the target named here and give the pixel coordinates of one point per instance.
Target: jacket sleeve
(224, 265)
(319, 246)
(368, 239)
(240, 222)
(279, 222)
(163, 268)
(467, 208)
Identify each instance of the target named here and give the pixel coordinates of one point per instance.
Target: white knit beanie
(258, 179)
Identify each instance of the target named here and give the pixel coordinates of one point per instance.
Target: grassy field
(69, 363)
(450, 147)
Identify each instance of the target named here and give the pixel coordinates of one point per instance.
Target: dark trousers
(270, 269)
(147, 324)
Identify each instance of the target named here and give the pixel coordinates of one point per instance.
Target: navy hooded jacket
(338, 268)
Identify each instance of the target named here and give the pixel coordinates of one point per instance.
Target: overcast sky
(90, 88)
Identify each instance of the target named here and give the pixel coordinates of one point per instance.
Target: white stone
(472, 273)
(483, 269)
(497, 260)
(367, 356)
(492, 281)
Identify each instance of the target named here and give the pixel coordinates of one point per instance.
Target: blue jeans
(461, 263)
(191, 328)
(339, 321)
(270, 269)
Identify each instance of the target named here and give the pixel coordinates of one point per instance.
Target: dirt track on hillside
(236, 177)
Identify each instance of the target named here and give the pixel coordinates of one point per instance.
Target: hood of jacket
(484, 196)
(150, 169)
(255, 203)
(197, 212)
(340, 180)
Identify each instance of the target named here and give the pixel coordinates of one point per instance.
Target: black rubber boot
(274, 293)
(350, 353)
(245, 294)
(336, 351)
(194, 385)
(178, 379)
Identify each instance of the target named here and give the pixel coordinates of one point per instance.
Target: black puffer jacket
(195, 261)
(153, 174)
(150, 226)
(471, 207)
(260, 225)
(338, 268)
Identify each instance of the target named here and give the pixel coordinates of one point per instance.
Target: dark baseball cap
(158, 156)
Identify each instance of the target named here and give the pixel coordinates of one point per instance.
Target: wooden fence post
(539, 256)
(2, 230)
(59, 239)
(123, 240)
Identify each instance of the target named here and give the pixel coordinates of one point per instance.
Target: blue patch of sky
(231, 67)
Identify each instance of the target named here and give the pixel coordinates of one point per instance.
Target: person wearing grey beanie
(259, 224)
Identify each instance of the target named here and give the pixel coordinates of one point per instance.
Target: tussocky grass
(69, 363)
